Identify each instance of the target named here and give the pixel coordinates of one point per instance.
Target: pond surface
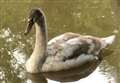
(94, 17)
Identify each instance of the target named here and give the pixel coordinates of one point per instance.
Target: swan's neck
(36, 60)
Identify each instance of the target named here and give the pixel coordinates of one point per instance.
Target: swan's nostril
(28, 20)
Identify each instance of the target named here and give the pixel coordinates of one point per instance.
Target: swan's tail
(108, 40)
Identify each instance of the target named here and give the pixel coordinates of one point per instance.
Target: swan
(67, 57)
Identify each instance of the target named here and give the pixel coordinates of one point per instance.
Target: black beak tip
(25, 33)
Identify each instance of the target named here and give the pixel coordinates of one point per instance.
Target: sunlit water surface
(94, 17)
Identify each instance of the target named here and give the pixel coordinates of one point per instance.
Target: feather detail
(107, 40)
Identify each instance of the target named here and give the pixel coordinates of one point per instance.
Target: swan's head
(35, 15)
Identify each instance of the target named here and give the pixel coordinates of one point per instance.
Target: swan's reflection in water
(36, 78)
(98, 76)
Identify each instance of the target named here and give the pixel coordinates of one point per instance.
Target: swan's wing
(56, 44)
(72, 52)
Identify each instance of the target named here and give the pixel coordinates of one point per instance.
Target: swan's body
(67, 57)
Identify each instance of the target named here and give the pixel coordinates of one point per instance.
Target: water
(94, 17)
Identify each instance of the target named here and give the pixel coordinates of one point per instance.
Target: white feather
(108, 40)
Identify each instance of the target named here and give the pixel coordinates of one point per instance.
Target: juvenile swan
(68, 57)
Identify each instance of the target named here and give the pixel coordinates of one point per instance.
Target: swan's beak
(29, 26)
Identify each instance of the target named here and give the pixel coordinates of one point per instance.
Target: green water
(94, 17)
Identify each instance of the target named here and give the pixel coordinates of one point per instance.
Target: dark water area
(94, 17)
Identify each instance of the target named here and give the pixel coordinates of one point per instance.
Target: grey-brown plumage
(68, 57)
